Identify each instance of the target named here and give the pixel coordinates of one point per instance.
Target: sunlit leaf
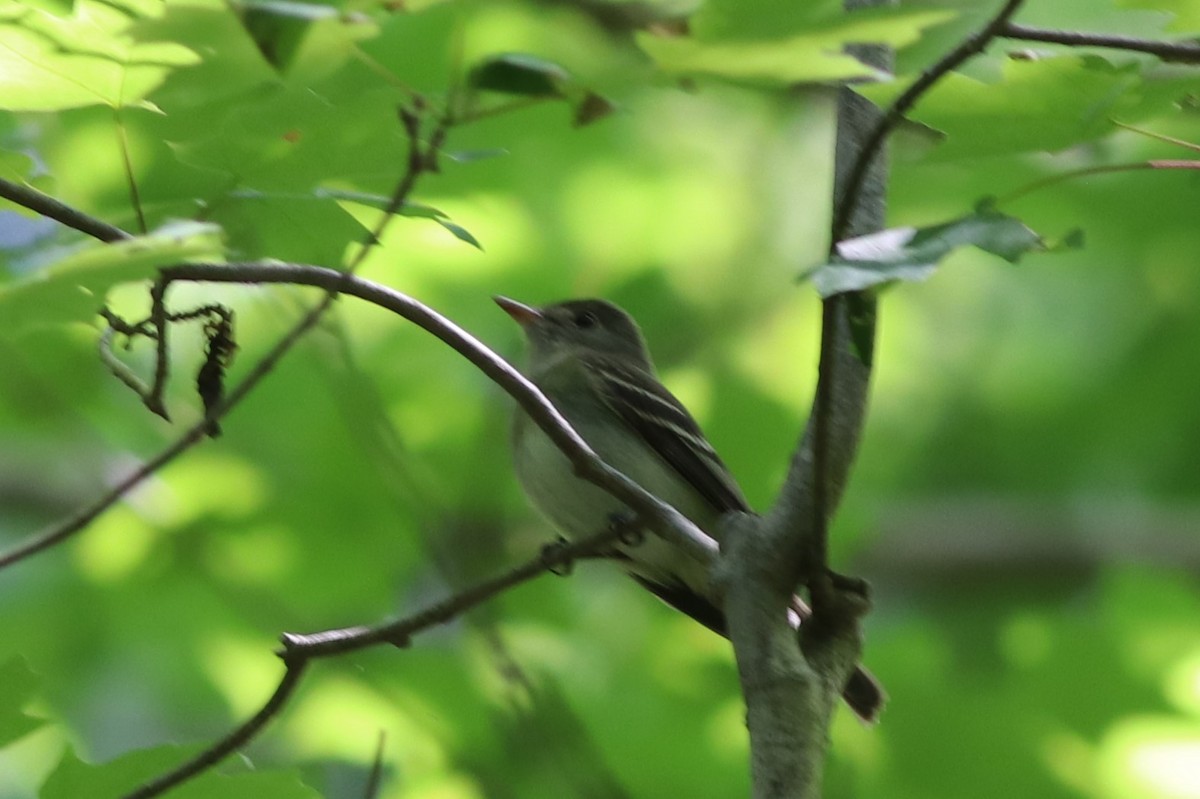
(912, 254)
(50, 63)
(812, 54)
(73, 288)
(415, 46)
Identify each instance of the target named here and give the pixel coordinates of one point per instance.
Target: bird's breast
(578, 508)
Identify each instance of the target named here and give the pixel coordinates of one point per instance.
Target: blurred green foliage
(1027, 498)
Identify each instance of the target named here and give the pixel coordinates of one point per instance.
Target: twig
(230, 743)
(1182, 52)
(83, 517)
(969, 47)
(44, 204)
(375, 778)
(1037, 185)
(162, 363)
(135, 197)
(420, 160)
(340, 642)
(299, 650)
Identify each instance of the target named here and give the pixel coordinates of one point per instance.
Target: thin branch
(1181, 52)
(47, 206)
(351, 639)
(86, 515)
(299, 650)
(420, 160)
(162, 363)
(375, 778)
(1052, 180)
(116, 365)
(1187, 145)
(135, 197)
(230, 743)
(895, 113)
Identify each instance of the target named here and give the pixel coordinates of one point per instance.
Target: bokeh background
(1026, 503)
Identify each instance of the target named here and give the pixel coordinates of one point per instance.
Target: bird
(590, 359)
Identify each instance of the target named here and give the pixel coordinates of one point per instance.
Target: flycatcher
(589, 358)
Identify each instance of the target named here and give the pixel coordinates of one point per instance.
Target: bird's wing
(663, 423)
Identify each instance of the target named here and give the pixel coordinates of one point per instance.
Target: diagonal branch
(230, 743)
(44, 204)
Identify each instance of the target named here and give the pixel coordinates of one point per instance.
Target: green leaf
(811, 55)
(408, 209)
(73, 778)
(520, 73)
(16, 690)
(73, 288)
(911, 254)
(460, 233)
(50, 63)
(415, 46)
(1045, 104)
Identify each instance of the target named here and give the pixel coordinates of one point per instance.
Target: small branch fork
(300, 650)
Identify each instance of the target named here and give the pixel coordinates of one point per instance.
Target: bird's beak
(521, 313)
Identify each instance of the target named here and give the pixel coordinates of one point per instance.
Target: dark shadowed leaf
(591, 108)
(519, 73)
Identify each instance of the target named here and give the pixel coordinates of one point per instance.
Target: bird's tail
(862, 691)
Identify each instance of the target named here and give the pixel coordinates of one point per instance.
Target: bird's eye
(585, 319)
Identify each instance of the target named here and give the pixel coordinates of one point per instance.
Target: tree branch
(299, 650)
(1182, 52)
(791, 692)
(44, 204)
